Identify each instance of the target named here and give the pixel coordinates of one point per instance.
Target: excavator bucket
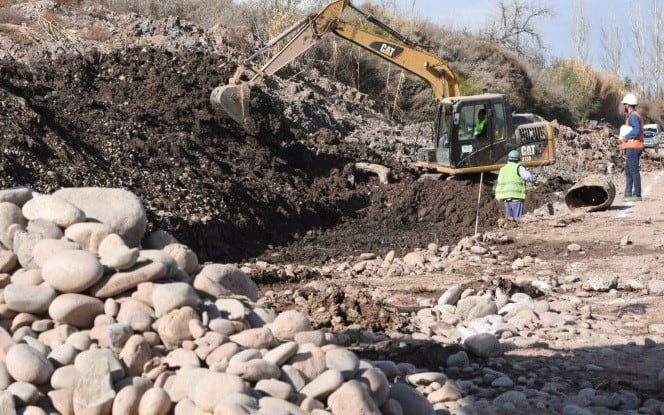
(233, 100)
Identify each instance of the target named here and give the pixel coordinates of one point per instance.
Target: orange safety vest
(638, 142)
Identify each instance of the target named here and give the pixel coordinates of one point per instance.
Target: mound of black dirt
(140, 119)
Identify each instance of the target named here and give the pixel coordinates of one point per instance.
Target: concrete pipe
(591, 194)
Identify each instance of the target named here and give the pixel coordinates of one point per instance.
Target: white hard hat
(630, 99)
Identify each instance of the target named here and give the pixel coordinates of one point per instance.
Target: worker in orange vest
(632, 144)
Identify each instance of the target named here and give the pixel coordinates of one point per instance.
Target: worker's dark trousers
(632, 173)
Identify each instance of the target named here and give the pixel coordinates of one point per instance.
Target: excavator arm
(233, 98)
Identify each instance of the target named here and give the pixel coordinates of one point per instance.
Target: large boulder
(118, 208)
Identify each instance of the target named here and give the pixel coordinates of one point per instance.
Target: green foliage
(589, 94)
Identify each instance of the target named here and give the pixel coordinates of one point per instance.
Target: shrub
(67, 2)
(11, 16)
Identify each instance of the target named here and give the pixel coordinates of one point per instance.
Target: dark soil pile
(140, 119)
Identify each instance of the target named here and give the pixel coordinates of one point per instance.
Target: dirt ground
(630, 357)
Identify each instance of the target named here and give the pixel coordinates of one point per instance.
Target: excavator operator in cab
(480, 125)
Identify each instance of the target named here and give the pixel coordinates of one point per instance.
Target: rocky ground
(570, 302)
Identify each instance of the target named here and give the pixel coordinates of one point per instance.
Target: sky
(556, 30)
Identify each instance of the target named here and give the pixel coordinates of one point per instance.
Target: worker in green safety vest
(511, 186)
(480, 125)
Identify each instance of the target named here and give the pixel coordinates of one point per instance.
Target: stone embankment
(99, 317)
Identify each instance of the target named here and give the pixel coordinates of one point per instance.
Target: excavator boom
(233, 98)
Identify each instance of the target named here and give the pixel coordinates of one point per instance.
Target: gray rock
(271, 405)
(450, 296)
(231, 308)
(16, 195)
(5, 379)
(352, 398)
(25, 364)
(120, 282)
(72, 271)
(259, 338)
(158, 239)
(34, 299)
(222, 279)
(23, 246)
(275, 388)
(155, 401)
(62, 355)
(213, 388)
(88, 235)
(173, 328)
(10, 214)
(48, 247)
(94, 392)
(323, 385)
(280, 354)
(25, 393)
(77, 310)
(86, 361)
(426, 378)
(7, 406)
(450, 392)
(44, 228)
(343, 360)
(65, 377)
(168, 297)
(254, 370)
(483, 345)
(288, 323)
(377, 383)
(186, 259)
(412, 402)
(53, 209)
(118, 208)
(293, 376)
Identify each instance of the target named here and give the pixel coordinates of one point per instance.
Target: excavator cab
(474, 134)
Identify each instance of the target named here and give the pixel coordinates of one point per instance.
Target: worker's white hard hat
(630, 99)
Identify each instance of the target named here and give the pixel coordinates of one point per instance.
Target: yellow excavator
(472, 133)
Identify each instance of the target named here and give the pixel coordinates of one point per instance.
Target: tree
(580, 32)
(611, 42)
(657, 46)
(638, 46)
(515, 26)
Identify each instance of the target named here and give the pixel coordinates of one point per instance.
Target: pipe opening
(593, 193)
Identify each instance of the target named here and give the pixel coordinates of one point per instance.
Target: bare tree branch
(611, 42)
(638, 46)
(515, 26)
(657, 46)
(581, 32)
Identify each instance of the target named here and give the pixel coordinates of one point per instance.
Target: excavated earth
(285, 192)
(140, 119)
